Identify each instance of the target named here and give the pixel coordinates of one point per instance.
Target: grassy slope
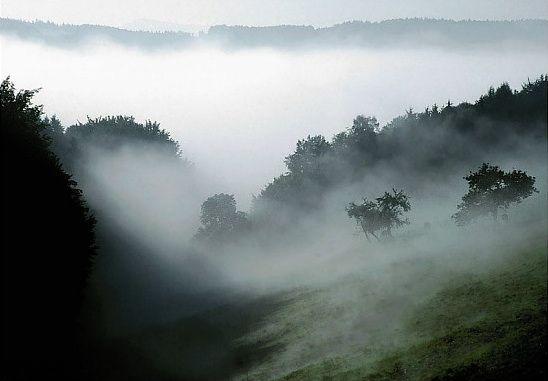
(488, 326)
(426, 316)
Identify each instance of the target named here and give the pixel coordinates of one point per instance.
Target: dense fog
(238, 113)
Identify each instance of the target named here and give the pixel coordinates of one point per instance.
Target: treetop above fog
(383, 214)
(490, 189)
(221, 221)
(112, 132)
(427, 145)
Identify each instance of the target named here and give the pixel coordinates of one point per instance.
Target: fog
(271, 12)
(238, 113)
(150, 271)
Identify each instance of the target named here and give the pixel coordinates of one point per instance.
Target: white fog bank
(237, 114)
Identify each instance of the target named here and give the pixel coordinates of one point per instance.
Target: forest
(103, 285)
(402, 33)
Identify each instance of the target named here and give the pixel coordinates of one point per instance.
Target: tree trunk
(362, 224)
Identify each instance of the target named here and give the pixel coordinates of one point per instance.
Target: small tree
(383, 214)
(220, 219)
(489, 189)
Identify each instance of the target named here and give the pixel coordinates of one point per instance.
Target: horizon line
(207, 27)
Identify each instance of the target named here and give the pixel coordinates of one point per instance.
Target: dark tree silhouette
(60, 145)
(358, 144)
(220, 219)
(307, 158)
(427, 145)
(113, 132)
(490, 189)
(383, 214)
(48, 248)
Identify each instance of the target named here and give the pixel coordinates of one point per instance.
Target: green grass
(489, 326)
(476, 315)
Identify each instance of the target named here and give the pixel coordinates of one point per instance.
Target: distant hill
(67, 35)
(389, 33)
(150, 25)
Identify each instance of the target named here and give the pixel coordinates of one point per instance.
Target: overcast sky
(265, 12)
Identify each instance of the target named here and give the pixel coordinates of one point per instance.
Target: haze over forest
(361, 200)
(227, 104)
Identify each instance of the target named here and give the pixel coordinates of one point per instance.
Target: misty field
(418, 314)
(364, 201)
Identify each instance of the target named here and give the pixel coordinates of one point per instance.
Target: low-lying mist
(238, 113)
(246, 212)
(152, 271)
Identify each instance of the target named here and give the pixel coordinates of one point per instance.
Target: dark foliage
(48, 248)
(114, 132)
(221, 221)
(111, 134)
(383, 214)
(490, 189)
(435, 145)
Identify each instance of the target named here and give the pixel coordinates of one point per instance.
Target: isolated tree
(383, 214)
(220, 219)
(490, 189)
(48, 248)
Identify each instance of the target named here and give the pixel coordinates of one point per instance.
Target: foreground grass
(490, 326)
(418, 312)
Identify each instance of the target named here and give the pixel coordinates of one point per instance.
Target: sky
(265, 12)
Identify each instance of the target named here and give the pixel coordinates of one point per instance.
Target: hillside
(439, 143)
(490, 326)
(297, 194)
(405, 33)
(410, 312)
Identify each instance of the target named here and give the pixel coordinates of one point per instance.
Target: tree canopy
(432, 144)
(220, 219)
(112, 132)
(49, 247)
(490, 189)
(383, 214)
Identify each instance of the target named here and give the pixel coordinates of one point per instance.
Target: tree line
(49, 236)
(49, 230)
(434, 144)
(415, 32)
(48, 248)
(490, 189)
